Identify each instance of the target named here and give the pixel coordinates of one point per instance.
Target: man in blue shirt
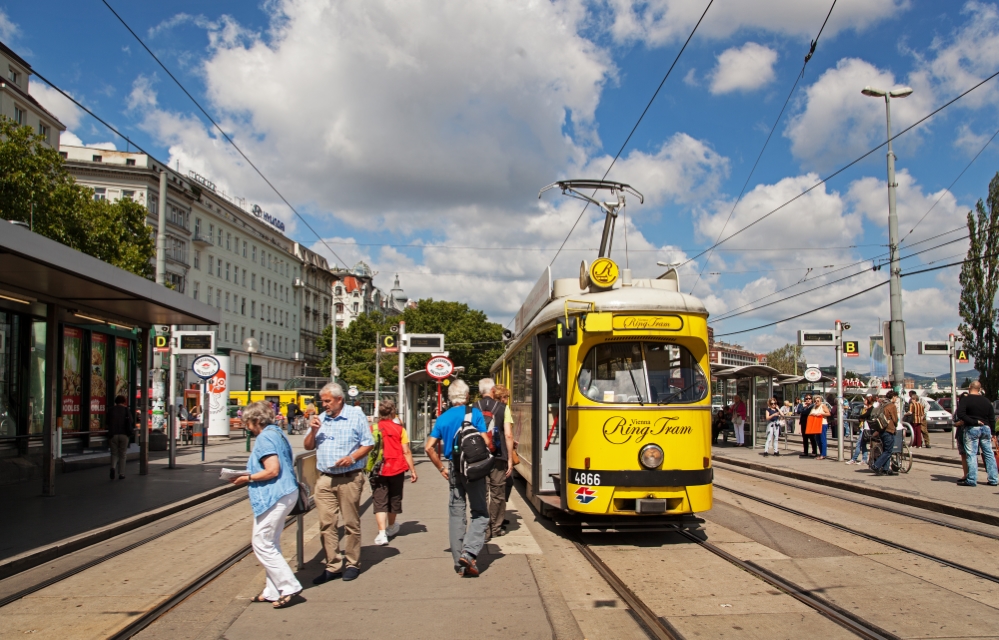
(466, 540)
(342, 440)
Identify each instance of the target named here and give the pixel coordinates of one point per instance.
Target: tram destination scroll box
(193, 342)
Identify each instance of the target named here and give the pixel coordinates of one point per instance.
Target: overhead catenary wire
(224, 134)
(635, 128)
(837, 172)
(780, 115)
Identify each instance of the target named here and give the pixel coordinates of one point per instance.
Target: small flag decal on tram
(585, 495)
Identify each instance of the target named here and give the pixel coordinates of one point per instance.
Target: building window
(355, 307)
(242, 307)
(43, 131)
(97, 158)
(211, 290)
(197, 260)
(227, 265)
(244, 248)
(211, 232)
(253, 281)
(228, 241)
(253, 311)
(218, 268)
(19, 116)
(226, 300)
(197, 287)
(220, 238)
(128, 195)
(129, 162)
(218, 298)
(242, 334)
(227, 332)
(197, 227)
(254, 253)
(100, 193)
(244, 277)
(14, 76)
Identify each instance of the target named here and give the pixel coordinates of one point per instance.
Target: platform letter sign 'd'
(851, 348)
(962, 356)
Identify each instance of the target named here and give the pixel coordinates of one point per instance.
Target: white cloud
(60, 106)
(659, 22)
(968, 55)
(743, 69)
(838, 123)
(969, 141)
(8, 28)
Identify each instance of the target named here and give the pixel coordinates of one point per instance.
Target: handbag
(304, 503)
(813, 426)
(514, 456)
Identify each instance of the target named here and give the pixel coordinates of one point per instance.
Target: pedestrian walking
(774, 419)
(466, 538)
(120, 430)
(978, 416)
(273, 493)
(739, 420)
(499, 421)
(892, 412)
(863, 431)
(806, 437)
(501, 393)
(820, 414)
(342, 441)
(917, 412)
(387, 484)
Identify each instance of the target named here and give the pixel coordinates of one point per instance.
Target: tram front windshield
(642, 373)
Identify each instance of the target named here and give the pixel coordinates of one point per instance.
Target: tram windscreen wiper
(635, 384)
(676, 394)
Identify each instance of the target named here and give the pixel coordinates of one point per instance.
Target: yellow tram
(609, 378)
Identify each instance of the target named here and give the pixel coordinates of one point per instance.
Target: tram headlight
(651, 456)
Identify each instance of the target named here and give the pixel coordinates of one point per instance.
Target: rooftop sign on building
(268, 218)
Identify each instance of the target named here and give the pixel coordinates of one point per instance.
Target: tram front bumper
(640, 492)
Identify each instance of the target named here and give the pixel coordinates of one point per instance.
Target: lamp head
(901, 92)
(872, 92)
(251, 345)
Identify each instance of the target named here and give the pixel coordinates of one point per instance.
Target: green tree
(785, 359)
(35, 188)
(979, 282)
(472, 341)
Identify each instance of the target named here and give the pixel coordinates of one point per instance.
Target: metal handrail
(305, 471)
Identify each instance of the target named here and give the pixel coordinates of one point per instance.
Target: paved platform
(406, 589)
(930, 483)
(87, 499)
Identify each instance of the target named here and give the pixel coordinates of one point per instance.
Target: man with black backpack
(465, 442)
(500, 425)
(884, 422)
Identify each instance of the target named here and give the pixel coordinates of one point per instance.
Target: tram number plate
(586, 479)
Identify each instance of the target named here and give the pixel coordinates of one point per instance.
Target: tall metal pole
(401, 408)
(172, 413)
(378, 370)
(145, 348)
(895, 285)
(839, 390)
(333, 370)
(953, 387)
(161, 231)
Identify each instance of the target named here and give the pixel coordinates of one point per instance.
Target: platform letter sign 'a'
(962, 356)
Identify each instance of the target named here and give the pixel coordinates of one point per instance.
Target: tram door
(549, 416)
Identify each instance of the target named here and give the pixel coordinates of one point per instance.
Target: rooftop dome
(397, 293)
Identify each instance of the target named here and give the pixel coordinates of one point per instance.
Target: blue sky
(436, 123)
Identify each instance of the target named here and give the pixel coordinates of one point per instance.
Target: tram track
(659, 628)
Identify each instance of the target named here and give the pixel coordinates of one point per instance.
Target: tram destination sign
(193, 342)
(423, 343)
(934, 348)
(822, 338)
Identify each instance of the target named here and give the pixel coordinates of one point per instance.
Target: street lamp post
(250, 346)
(897, 330)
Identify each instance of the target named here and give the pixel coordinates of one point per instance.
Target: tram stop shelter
(421, 405)
(760, 378)
(74, 333)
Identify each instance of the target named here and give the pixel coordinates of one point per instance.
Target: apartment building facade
(18, 104)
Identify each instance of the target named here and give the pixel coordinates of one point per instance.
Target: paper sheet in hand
(229, 474)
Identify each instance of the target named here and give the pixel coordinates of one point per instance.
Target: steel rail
(654, 626)
(6, 600)
(860, 534)
(840, 616)
(829, 494)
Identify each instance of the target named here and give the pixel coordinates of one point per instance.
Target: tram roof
(645, 296)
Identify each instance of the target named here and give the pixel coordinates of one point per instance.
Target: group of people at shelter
(350, 454)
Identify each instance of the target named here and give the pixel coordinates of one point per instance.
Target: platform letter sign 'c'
(851, 348)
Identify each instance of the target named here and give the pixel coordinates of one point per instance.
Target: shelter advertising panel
(122, 353)
(98, 380)
(218, 398)
(72, 348)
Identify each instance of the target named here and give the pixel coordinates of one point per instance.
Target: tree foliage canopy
(979, 282)
(785, 358)
(35, 188)
(472, 341)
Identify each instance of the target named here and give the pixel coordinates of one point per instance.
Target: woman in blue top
(273, 493)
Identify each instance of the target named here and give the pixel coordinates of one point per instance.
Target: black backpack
(878, 421)
(469, 451)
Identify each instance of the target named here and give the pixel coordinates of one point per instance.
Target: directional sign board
(822, 338)
(390, 344)
(161, 339)
(930, 348)
(193, 342)
(353, 392)
(962, 356)
(439, 367)
(851, 348)
(813, 374)
(423, 343)
(205, 367)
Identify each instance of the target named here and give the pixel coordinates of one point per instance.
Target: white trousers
(267, 529)
(773, 433)
(739, 426)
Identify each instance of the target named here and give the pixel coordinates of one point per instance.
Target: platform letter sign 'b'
(851, 348)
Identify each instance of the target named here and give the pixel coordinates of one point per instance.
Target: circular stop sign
(439, 367)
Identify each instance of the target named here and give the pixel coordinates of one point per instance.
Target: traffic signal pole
(839, 390)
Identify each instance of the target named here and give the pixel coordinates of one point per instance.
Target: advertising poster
(98, 380)
(122, 356)
(72, 347)
(218, 399)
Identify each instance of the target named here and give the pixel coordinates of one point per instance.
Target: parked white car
(938, 417)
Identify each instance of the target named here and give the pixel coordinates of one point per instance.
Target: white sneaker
(392, 531)
(381, 538)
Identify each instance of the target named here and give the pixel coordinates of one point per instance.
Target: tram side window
(675, 377)
(613, 372)
(616, 373)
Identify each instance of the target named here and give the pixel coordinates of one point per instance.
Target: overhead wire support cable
(224, 134)
(845, 167)
(766, 142)
(634, 128)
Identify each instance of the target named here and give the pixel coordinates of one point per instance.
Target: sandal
(259, 598)
(285, 601)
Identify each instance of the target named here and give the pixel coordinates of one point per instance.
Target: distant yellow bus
(283, 398)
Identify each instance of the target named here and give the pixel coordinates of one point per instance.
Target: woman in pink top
(739, 420)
